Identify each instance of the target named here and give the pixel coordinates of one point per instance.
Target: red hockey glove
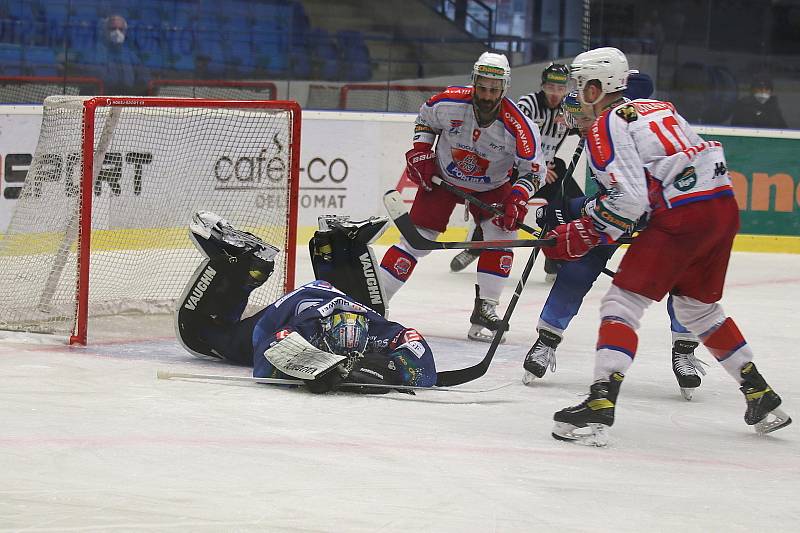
(573, 240)
(515, 207)
(420, 167)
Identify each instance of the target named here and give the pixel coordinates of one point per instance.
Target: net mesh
(154, 167)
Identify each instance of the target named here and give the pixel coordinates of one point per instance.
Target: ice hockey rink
(92, 441)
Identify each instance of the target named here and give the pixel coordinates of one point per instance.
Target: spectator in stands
(117, 63)
(760, 108)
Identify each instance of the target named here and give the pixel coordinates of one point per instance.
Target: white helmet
(493, 66)
(607, 65)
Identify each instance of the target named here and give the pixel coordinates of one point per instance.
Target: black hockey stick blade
(399, 214)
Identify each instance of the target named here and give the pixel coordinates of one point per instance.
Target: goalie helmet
(607, 65)
(345, 333)
(494, 67)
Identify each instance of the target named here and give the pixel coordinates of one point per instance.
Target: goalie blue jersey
(303, 309)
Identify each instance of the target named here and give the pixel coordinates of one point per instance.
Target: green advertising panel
(766, 176)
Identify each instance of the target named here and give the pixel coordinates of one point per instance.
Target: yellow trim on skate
(757, 394)
(600, 403)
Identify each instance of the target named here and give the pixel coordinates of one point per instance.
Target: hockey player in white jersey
(650, 161)
(480, 137)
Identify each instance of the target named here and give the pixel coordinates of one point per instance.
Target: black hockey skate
(596, 412)
(541, 356)
(686, 367)
(465, 258)
(215, 237)
(551, 267)
(763, 404)
(484, 317)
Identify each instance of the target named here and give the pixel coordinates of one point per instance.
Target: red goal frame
(90, 106)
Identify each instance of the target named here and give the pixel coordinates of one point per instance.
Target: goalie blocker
(315, 333)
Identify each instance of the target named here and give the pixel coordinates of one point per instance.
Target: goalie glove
(573, 240)
(421, 166)
(515, 207)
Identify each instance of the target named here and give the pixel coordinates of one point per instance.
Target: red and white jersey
(476, 158)
(648, 159)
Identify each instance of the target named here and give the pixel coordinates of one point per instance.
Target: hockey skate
(484, 319)
(763, 404)
(215, 237)
(551, 267)
(541, 356)
(596, 413)
(463, 260)
(686, 367)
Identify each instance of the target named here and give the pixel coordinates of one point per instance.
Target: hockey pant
(494, 266)
(621, 311)
(574, 280)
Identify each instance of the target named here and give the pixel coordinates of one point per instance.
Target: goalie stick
(449, 378)
(166, 374)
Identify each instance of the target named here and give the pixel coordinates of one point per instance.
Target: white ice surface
(91, 441)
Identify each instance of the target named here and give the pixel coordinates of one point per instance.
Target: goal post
(101, 225)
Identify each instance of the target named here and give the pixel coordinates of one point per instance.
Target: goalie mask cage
(101, 226)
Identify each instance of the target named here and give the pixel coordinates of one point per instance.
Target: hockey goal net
(393, 98)
(101, 225)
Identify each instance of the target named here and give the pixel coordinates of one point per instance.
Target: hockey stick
(399, 214)
(166, 374)
(495, 210)
(449, 378)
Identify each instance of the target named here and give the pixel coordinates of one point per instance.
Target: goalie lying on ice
(315, 333)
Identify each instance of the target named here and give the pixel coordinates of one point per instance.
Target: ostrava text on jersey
(552, 123)
(664, 162)
(479, 158)
(301, 311)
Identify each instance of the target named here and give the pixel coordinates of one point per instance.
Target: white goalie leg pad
(592, 435)
(296, 357)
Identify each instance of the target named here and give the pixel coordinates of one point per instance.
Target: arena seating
(181, 39)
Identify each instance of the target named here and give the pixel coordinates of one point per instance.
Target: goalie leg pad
(341, 255)
(210, 308)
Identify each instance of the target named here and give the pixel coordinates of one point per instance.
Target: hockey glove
(573, 240)
(515, 207)
(420, 167)
(556, 212)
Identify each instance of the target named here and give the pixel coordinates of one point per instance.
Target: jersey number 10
(670, 123)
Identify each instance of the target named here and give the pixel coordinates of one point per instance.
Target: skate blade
(597, 434)
(528, 378)
(481, 334)
(775, 420)
(687, 393)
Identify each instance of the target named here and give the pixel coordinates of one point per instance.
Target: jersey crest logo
(468, 166)
(402, 266)
(627, 113)
(686, 180)
(455, 127)
(505, 263)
